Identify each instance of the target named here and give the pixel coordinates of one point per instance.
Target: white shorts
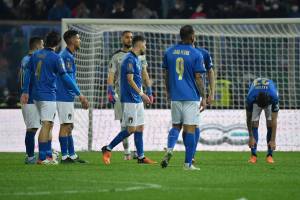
(133, 114)
(31, 116)
(118, 110)
(257, 111)
(65, 112)
(185, 112)
(47, 110)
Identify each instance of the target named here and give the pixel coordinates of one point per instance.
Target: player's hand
(203, 104)
(24, 98)
(251, 142)
(111, 94)
(146, 99)
(272, 145)
(210, 99)
(84, 102)
(149, 94)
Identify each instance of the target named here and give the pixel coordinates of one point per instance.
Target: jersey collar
(69, 50)
(133, 54)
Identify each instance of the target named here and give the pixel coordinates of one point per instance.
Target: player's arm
(249, 109)
(110, 82)
(211, 79)
(135, 87)
(166, 81)
(275, 110)
(147, 82)
(201, 88)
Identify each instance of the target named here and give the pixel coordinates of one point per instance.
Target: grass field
(223, 175)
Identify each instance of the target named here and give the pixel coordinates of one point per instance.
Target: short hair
(186, 32)
(125, 32)
(137, 38)
(69, 34)
(52, 39)
(34, 41)
(262, 99)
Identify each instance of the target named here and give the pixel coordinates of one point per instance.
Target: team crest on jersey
(69, 65)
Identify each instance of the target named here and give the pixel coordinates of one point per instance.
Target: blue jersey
(64, 93)
(23, 66)
(262, 85)
(182, 62)
(130, 65)
(45, 65)
(206, 57)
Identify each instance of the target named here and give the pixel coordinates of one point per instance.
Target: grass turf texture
(223, 175)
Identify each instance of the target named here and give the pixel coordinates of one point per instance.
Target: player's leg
(197, 137)
(47, 111)
(255, 123)
(49, 146)
(191, 118)
(268, 114)
(32, 121)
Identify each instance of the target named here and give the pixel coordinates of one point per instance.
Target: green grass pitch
(223, 175)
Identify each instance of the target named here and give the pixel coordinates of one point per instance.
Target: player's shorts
(47, 110)
(118, 110)
(31, 116)
(257, 111)
(133, 114)
(185, 112)
(65, 112)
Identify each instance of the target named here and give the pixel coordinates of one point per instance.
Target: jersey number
(263, 82)
(180, 67)
(38, 70)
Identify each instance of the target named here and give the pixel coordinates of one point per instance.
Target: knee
(140, 128)
(131, 129)
(255, 124)
(47, 124)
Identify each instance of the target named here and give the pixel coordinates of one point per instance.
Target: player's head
(71, 37)
(36, 43)
(139, 44)
(127, 39)
(187, 34)
(52, 39)
(262, 99)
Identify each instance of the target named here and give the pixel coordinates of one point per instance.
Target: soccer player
(132, 98)
(183, 66)
(29, 111)
(113, 83)
(65, 99)
(262, 95)
(42, 70)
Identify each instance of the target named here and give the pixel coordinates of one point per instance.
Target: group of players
(49, 83)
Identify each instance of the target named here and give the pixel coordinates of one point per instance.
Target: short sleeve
(207, 61)
(60, 66)
(113, 65)
(199, 64)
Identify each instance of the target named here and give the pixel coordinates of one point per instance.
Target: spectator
(40, 10)
(98, 11)
(180, 11)
(142, 11)
(199, 13)
(294, 13)
(81, 11)
(24, 10)
(59, 11)
(119, 11)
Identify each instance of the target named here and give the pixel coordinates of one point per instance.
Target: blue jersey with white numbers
(45, 65)
(23, 66)
(206, 58)
(63, 93)
(262, 85)
(182, 62)
(130, 65)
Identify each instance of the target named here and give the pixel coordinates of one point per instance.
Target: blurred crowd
(146, 9)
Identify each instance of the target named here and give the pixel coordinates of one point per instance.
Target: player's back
(130, 65)
(23, 67)
(45, 64)
(63, 93)
(182, 62)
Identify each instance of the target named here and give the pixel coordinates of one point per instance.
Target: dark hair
(186, 32)
(124, 32)
(262, 99)
(137, 38)
(69, 34)
(52, 39)
(34, 41)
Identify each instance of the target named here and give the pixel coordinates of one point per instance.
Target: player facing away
(65, 100)
(262, 95)
(182, 68)
(42, 70)
(211, 96)
(113, 83)
(132, 98)
(29, 111)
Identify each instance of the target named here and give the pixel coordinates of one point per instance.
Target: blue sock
(197, 137)
(29, 143)
(119, 138)
(255, 134)
(173, 137)
(43, 146)
(269, 134)
(71, 149)
(189, 147)
(49, 149)
(183, 138)
(63, 145)
(139, 144)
